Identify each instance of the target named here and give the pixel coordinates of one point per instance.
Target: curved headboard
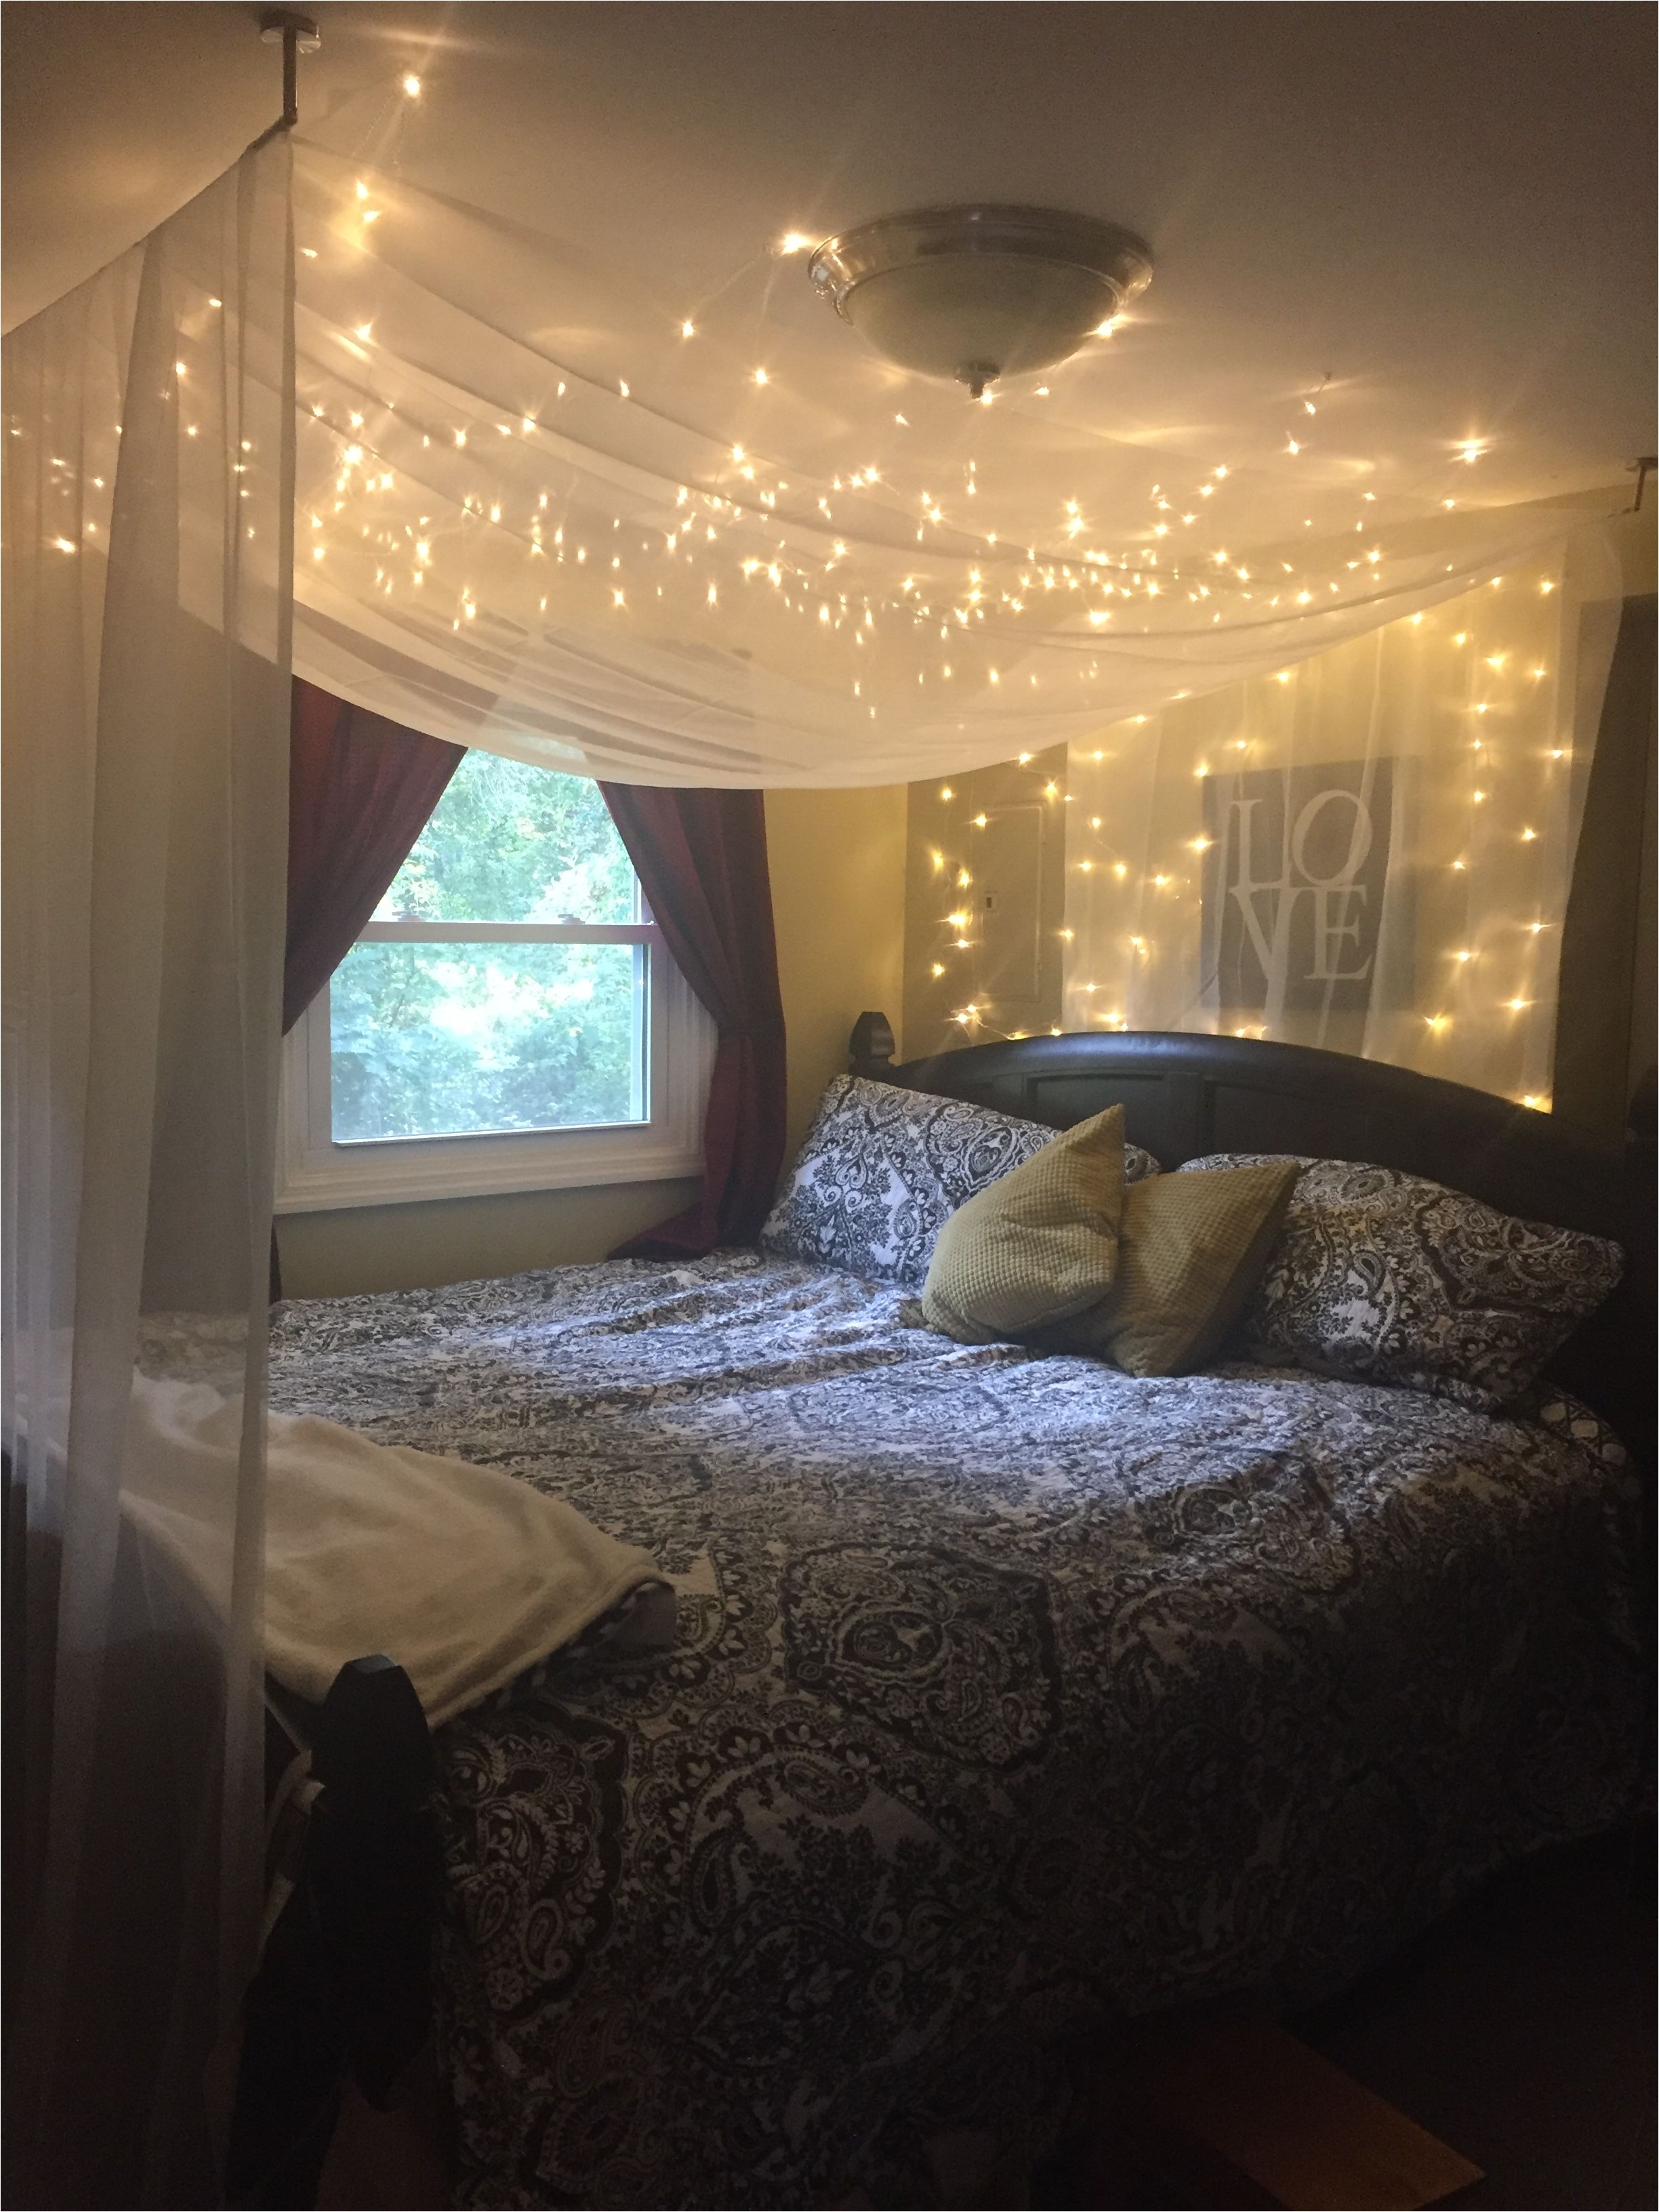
(1184, 1095)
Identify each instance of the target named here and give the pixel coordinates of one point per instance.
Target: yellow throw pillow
(1037, 1245)
(1191, 1248)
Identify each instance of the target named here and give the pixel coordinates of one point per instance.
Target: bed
(1012, 1695)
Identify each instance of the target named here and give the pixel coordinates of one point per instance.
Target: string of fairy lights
(1493, 830)
(1004, 609)
(1002, 594)
(741, 521)
(884, 577)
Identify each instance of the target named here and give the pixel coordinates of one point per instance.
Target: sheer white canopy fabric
(1370, 850)
(149, 502)
(595, 575)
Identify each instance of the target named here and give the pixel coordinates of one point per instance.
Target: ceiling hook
(297, 34)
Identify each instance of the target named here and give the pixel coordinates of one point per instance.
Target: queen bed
(1013, 1694)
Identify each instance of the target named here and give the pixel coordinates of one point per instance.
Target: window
(508, 1020)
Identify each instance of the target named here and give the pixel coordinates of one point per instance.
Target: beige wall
(837, 860)
(1635, 541)
(1605, 1032)
(1644, 967)
(1607, 1019)
(397, 1248)
(837, 864)
(1605, 1026)
(838, 891)
(1007, 951)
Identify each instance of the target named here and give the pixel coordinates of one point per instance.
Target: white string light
(986, 592)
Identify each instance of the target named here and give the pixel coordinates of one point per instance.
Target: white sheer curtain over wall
(1368, 850)
(149, 501)
(632, 575)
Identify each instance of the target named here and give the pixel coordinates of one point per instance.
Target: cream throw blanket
(465, 1576)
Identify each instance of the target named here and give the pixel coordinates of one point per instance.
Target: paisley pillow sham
(884, 1169)
(1385, 1277)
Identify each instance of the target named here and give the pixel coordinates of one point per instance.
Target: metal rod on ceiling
(298, 34)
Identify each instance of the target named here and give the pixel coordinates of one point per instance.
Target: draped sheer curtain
(1370, 850)
(656, 574)
(148, 504)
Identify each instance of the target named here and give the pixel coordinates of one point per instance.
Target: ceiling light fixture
(983, 292)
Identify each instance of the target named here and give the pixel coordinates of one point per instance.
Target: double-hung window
(508, 1020)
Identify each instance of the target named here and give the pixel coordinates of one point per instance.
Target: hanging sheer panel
(1368, 850)
(602, 572)
(149, 502)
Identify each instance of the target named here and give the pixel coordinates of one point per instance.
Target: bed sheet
(1011, 1694)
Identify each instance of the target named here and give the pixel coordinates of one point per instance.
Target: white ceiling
(1449, 209)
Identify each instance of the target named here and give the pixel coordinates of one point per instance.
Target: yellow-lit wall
(837, 865)
(1010, 957)
(1604, 1038)
(1607, 1023)
(392, 1247)
(837, 862)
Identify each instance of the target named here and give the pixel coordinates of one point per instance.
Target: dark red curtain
(359, 792)
(701, 857)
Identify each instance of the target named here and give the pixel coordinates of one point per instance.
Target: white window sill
(404, 1172)
(315, 1175)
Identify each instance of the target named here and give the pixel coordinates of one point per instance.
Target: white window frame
(314, 1173)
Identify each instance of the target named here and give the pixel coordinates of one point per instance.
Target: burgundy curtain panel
(359, 792)
(700, 858)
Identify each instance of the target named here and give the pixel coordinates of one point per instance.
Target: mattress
(1012, 1695)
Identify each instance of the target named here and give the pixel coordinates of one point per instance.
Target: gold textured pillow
(1037, 1245)
(1191, 1248)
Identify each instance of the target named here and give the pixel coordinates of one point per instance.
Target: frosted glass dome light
(983, 292)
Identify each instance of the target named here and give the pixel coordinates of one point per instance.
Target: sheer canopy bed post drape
(149, 559)
(700, 859)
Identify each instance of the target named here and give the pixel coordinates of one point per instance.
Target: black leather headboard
(1184, 1095)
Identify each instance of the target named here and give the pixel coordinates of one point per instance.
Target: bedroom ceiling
(1446, 210)
(1388, 237)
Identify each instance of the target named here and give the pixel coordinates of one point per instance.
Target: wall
(1638, 545)
(1606, 1031)
(990, 848)
(837, 865)
(388, 1248)
(837, 860)
(1645, 984)
(840, 867)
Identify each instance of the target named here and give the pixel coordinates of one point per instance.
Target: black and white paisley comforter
(1010, 1692)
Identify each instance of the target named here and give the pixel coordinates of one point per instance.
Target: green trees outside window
(503, 983)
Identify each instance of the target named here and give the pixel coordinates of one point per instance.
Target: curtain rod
(297, 34)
